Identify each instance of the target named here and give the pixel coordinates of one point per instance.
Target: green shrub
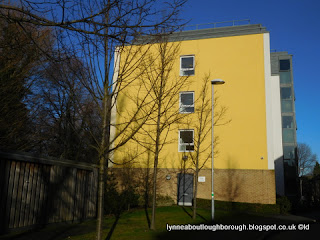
(239, 207)
(161, 200)
(145, 199)
(284, 204)
(164, 200)
(115, 202)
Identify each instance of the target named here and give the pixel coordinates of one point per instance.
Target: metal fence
(231, 23)
(37, 191)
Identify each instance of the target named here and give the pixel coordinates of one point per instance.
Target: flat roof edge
(208, 33)
(218, 32)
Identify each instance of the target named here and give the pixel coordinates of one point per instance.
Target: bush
(115, 202)
(161, 200)
(284, 204)
(164, 200)
(239, 207)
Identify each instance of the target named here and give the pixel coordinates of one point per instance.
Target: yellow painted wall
(239, 61)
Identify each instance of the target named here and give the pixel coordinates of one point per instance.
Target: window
(286, 106)
(186, 143)
(288, 135)
(287, 129)
(186, 102)
(284, 65)
(289, 152)
(287, 121)
(186, 65)
(285, 77)
(286, 99)
(286, 93)
(289, 156)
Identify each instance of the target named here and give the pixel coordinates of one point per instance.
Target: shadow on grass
(147, 216)
(237, 226)
(186, 211)
(113, 227)
(59, 231)
(190, 214)
(203, 218)
(51, 232)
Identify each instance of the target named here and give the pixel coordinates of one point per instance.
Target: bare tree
(64, 115)
(93, 31)
(161, 89)
(202, 124)
(20, 64)
(306, 159)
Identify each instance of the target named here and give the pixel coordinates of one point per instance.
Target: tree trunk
(155, 168)
(153, 218)
(195, 195)
(105, 140)
(103, 162)
(156, 159)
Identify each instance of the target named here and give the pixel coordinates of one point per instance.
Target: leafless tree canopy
(163, 88)
(126, 18)
(306, 159)
(202, 124)
(21, 63)
(92, 32)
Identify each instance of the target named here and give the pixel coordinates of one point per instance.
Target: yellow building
(247, 113)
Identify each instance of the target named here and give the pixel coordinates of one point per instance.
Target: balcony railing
(216, 24)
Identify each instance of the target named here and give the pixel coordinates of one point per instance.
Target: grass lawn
(131, 225)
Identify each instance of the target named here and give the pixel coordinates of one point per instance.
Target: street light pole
(213, 82)
(300, 178)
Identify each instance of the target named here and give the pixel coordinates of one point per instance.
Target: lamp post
(213, 82)
(300, 178)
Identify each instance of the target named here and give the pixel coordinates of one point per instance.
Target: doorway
(185, 189)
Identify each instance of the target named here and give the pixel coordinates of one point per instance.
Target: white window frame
(180, 104)
(186, 69)
(185, 144)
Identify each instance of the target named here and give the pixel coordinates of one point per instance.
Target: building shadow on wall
(230, 183)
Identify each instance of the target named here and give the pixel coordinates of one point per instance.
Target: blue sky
(294, 26)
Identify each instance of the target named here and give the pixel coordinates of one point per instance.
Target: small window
(289, 152)
(186, 65)
(284, 65)
(287, 122)
(286, 106)
(186, 102)
(186, 143)
(286, 93)
(288, 135)
(285, 77)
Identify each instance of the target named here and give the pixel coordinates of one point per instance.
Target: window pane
(182, 148)
(286, 93)
(288, 135)
(187, 62)
(186, 98)
(286, 106)
(288, 152)
(285, 64)
(287, 122)
(186, 136)
(187, 72)
(189, 147)
(186, 109)
(285, 77)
